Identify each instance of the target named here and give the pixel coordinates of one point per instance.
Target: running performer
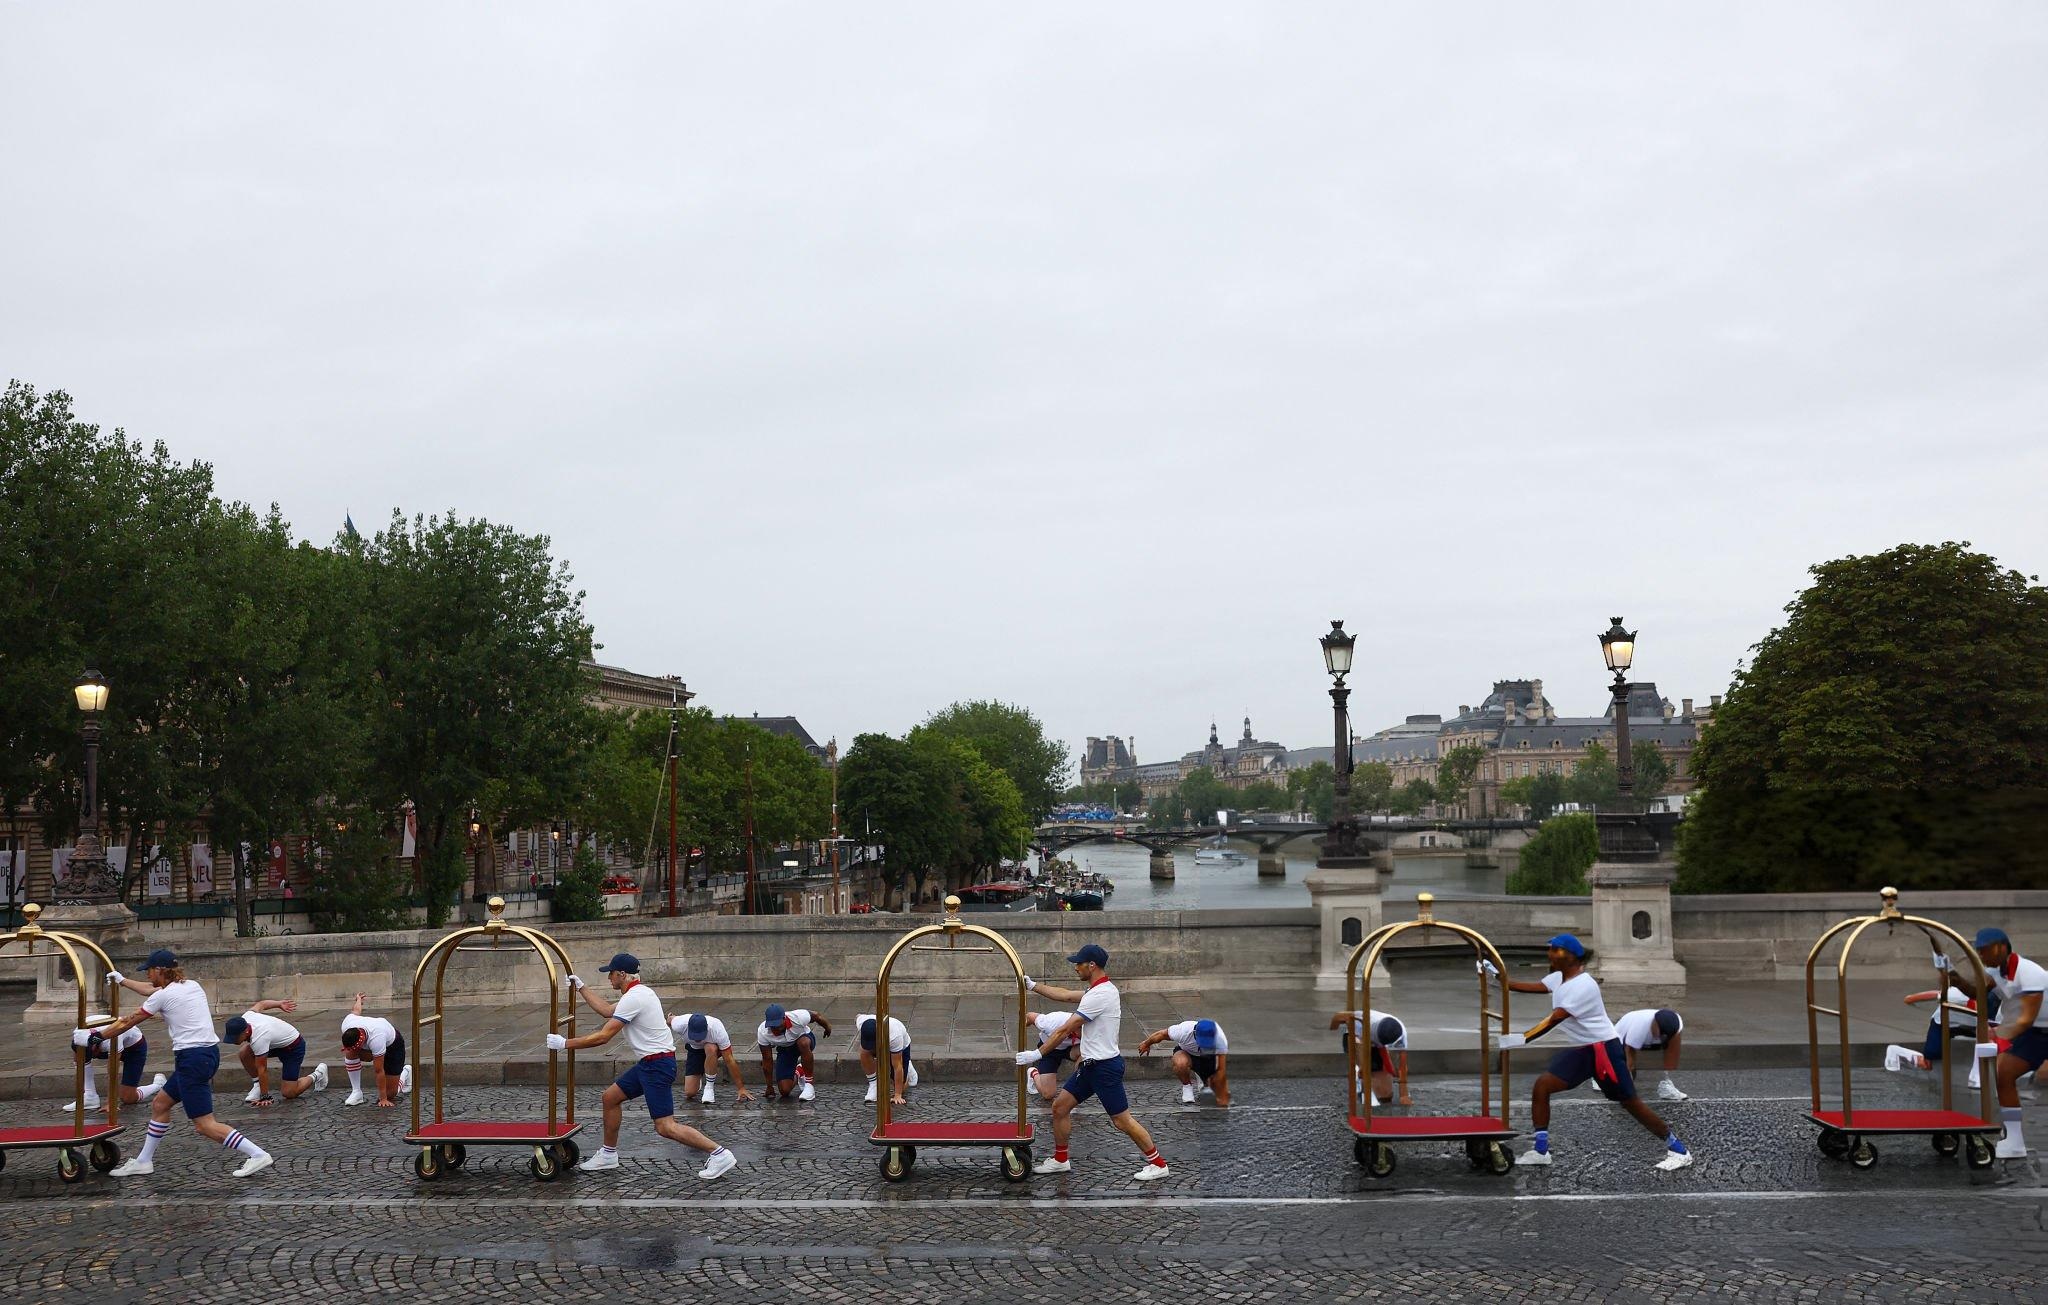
(1595, 1052)
(902, 1071)
(1201, 1055)
(134, 1056)
(195, 1058)
(787, 1039)
(705, 1043)
(1044, 1073)
(1653, 1030)
(2020, 985)
(638, 1014)
(375, 1039)
(261, 1035)
(1387, 1056)
(1098, 1019)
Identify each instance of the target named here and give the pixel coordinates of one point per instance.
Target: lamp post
(1623, 833)
(832, 755)
(87, 878)
(1342, 838)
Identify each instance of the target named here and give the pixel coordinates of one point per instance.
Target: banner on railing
(202, 870)
(159, 881)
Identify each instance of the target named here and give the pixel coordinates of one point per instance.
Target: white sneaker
(707, 1096)
(2008, 1149)
(1668, 1091)
(255, 1094)
(354, 1098)
(1533, 1158)
(132, 1169)
(92, 1105)
(405, 1080)
(1052, 1166)
(1187, 1094)
(805, 1091)
(913, 1075)
(1207, 1090)
(320, 1077)
(1150, 1174)
(719, 1164)
(599, 1160)
(255, 1164)
(871, 1092)
(1675, 1160)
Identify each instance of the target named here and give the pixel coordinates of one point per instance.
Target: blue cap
(1565, 942)
(699, 1028)
(624, 962)
(1388, 1031)
(163, 958)
(1986, 937)
(867, 1034)
(774, 1017)
(1205, 1035)
(1667, 1022)
(234, 1029)
(1091, 953)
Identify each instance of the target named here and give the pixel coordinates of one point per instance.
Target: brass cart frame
(78, 1142)
(900, 1141)
(1845, 1134)
(1485, 1136)
(442, 1143)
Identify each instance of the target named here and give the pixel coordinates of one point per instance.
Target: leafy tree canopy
(1010, 739)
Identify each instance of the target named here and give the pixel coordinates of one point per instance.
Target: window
(1351, 931)
(1639, 925)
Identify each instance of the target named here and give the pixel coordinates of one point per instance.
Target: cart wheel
(70, 1165)
(1980, 1154)
(1360, 1149)
(543, 1166)
(1945, 1143)
(426, 1165)
(1833, 1143)
(1863, 1155)
(3, 1159)
(1500, 1158)
(1379, 1160)
(452, 1155)
(104, 1155)
(895, 1164)
(1475, 1153)
(1016, 1163)
(568, 1152)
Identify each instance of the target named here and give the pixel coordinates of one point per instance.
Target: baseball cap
(867, 1034)
(699, 1028)
(163, 958)
(1205, 1034)
(1388, 1032)
(625, 962)
(1092, 954)
(1986, 937)
(234, 1029)
(1667, 1022)
(1565, 942)
(774, 1017)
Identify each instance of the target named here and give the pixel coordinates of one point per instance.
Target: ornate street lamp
(1624, 834)
(88, 879)
(1342, 838)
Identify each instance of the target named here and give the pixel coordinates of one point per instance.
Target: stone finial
(1890, 897)
(1425, 908)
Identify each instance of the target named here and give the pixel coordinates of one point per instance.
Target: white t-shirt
(899, 1036)
(715, 1036)
(1580, 999)
(2027, 977)
(1638, 1029)
(186, 1013)
(1183, 1035)
(799, 1023)
(128, 1038)
(1102, 1007)
(267, 1033)
(1370, 1030)
(647, 1030)
(377, 1032)
(1050, 1023)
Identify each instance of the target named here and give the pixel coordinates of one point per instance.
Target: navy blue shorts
(2031, 1046)
(290, 1060)
(1102, 1079)
(693, 1061)
(132, 1061)
(1052, 1061)
(1606, 1063)
(786, 1057)
(654, 1078)
(191, 1080)
(1204, 1066)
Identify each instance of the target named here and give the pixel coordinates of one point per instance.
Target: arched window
(1639, 925)
(1352, 930)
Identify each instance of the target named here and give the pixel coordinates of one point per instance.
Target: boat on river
(1000, 895)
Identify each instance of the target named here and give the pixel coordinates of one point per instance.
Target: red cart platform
(1948, 1131)
(903, 1140)
(68, 1141)
(443, 1145)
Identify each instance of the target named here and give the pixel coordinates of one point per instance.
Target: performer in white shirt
(705, 1043)
(1201, 1055)
(261, 1035)
(1044, 1073)
(1098, 1018)
(902, 1070)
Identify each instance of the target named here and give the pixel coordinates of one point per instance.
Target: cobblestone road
(1264, 1204)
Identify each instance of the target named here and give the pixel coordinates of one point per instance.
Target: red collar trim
(1099, 979)
(629, 987)
(2011, 968)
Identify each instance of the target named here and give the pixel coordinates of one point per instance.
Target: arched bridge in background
(1271, 836)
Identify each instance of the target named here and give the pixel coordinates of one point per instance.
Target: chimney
(1687, 713)
(1514, 712)
(1714, 701)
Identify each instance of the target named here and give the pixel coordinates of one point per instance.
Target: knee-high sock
(355, 1074)
(238, 1141)
(157, 1129)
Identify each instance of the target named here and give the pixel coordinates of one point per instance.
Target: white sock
(355, 1074)
(871, 1078)
(2014, 1131)
(156, 1134)
(237, 1141)
(92, 1091)
(611, 1151)
(146, 1091)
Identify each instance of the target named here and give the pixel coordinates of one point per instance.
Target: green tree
(1893, 730)
(579, 889)
(1010, 739)
(1129, 795)
(1456, 772)
(1202, 795)
(1166, 810)
(1515, 792)
(1652, 772)
(1372, 786)
(1555, 861)
(1313, 789)
(1263, 795)
(355, 884)
(906, 794)
(1594, 783)
(1540, 794)
(1412, 797)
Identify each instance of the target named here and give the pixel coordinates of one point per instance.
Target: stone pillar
(1346, 890)
(1162, 863)
(1632, 928)
(1272, 864)
(111, 925)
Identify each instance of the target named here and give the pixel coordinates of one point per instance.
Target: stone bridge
(1377, 835)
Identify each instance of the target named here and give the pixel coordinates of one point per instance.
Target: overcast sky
(859, 358)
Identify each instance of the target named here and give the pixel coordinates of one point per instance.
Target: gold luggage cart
(900, 1140)
(78, 1142)
(443, 1143)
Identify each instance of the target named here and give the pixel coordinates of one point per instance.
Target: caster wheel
(1379, 1161)
(426, 1166)
(1863, 1155)
(1360, 1149)
(544, 1167)
(453, 1154)
(895, 1164)
(1979, 1154)
(104, 1155)
(1475, 1154)
(1500, 1158)
(1016, 1163)
(70, 1165)
(3, 1159)
(1945, 1143)
(568, 1153)
(1833, 1144)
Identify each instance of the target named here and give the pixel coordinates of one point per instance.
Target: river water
(1208, 884)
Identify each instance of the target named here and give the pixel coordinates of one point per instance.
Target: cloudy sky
(860, 358)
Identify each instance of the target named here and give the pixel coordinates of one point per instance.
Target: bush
(359, 887)
(1555, 862)
(579, 891)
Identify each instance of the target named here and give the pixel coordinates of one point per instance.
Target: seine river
(1208, 884)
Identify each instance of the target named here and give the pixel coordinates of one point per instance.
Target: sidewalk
(1272, 1032)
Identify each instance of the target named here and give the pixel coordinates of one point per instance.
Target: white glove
(115, 978)
(1941, 962)
(1986, 1050)
(81, 1038)
(575, 984)
(1030, 984)
(1509, 1041)
(1027, 1058)
(1488, 968)
(556, 1042)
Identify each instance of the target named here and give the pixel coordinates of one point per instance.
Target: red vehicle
(620, 884)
